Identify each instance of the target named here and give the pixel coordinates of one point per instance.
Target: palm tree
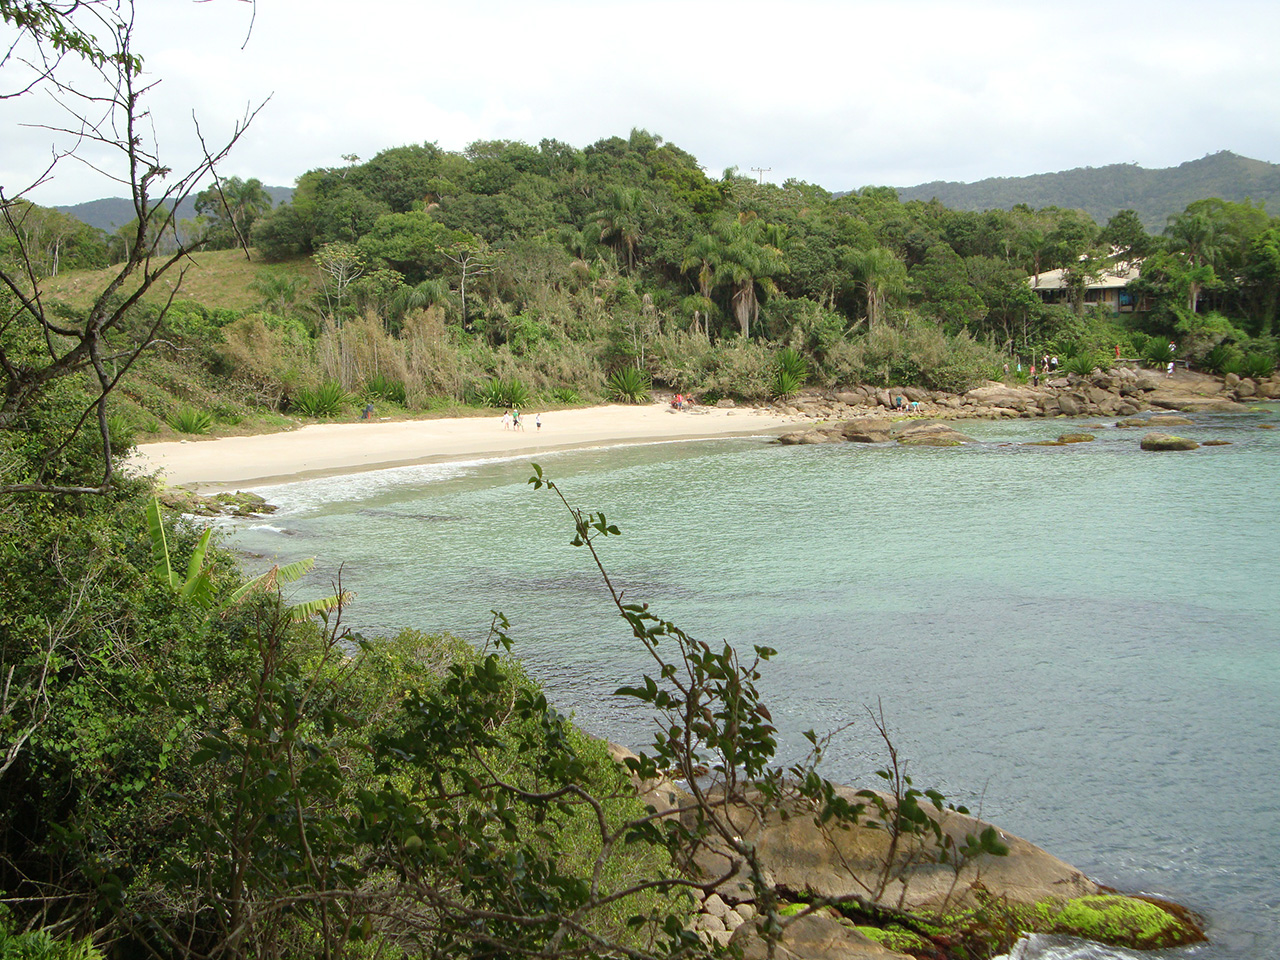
(619, 223)
(1196, 236)
(737, 254)
(881, 275)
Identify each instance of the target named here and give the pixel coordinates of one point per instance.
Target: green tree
(881, 276)
(232, 206)
(620, 223)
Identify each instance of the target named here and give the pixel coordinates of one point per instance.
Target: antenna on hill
(762, 171)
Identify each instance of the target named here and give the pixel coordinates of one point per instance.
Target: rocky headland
(853, 893)
(874, 414)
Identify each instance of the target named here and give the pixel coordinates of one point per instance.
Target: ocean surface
(1081, 643)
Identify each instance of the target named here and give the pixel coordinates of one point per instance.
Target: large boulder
(929, 433)
(1165, 441)
(818, 936)
(799, 855)
(807, 437)
(999, 395)
(865, 430)
(1068, 405)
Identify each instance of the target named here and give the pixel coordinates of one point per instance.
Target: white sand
(338, 448)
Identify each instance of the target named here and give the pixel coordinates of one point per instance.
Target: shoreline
(335, 449)
(226, 464)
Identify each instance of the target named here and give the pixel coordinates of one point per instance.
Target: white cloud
(837, 93)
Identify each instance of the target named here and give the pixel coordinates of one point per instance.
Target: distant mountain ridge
(1102, 191)
(114, 212)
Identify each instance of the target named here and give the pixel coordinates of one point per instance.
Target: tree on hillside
(881, 276)
(619, 223)
(232, 205)
(40, 349)
(1194, 235)
(742, 256)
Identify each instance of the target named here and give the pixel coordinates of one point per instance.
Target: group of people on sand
(511, 420)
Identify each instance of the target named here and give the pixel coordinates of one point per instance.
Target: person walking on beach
(515, 419)
(1035, 377)
(506, 420)
(537, 421)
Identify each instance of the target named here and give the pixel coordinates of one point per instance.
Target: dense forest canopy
(560, 268)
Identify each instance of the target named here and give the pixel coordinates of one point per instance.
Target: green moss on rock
(1076, 438)
(896, 938)
(1131, 922)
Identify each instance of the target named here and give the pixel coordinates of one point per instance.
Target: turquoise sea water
(1081, 641)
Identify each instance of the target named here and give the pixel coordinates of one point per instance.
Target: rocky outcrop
(238, 504)
(1165, 441)
(929, 433)
(822, 935)
(802, 859)
(808, 859)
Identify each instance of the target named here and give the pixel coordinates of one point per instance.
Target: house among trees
(1105, 285)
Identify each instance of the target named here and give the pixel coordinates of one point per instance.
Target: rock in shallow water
(1165, 441)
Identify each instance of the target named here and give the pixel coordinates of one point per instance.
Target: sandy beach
(330, 449)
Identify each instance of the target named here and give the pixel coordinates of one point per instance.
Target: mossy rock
(896, 938)
(1133, 922)
(1170, 420)
(1266, 426)
(1133, 422)
(1216, 443)
(238, 504)
(1166, 441)
(930, 441)
(1076, 438)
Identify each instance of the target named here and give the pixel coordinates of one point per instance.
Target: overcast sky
(842, 94)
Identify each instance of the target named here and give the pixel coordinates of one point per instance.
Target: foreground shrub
(327, 400)
(1257, 366)
(502, 393)
(190, 420)
(792, 371)
(382, 387)
(629, 385)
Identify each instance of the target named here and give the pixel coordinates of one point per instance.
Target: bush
(502, 393)
(1257, 366)
(1083, 364)
(785, 385)
(382, 387)
(630, 385)
(1156, 352)
(1222, 359)
(565, 395)
(190, 420)
(326, 400)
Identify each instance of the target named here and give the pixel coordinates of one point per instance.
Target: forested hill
(111, 213)
(1156, 195)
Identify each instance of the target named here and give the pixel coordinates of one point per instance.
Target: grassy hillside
(218, 279)
(1101, 191)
